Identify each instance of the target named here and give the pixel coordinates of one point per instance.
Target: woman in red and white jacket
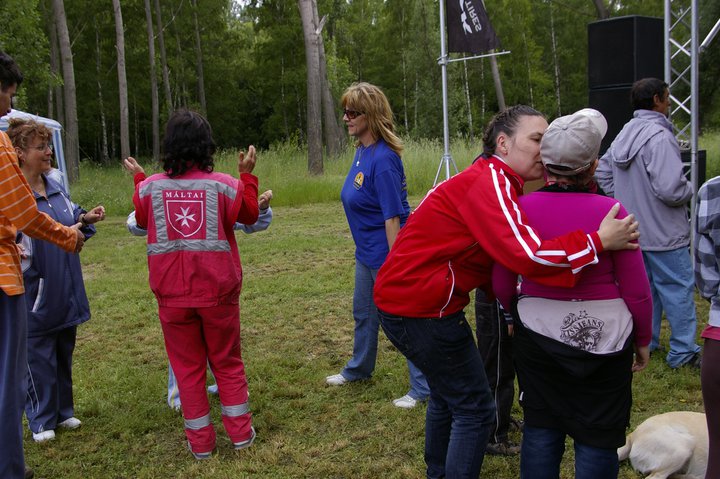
(446, 249)
(189, 212)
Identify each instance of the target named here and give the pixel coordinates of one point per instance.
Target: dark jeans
(542, 451)
(13, 383)
(495, 345)
(461, 410)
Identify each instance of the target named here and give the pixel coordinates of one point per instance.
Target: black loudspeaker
(701, 166)
(625, 49)
(621, 51)
(614, 104)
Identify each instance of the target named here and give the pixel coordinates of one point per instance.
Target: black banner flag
(468, 27)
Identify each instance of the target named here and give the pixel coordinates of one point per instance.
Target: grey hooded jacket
(642, 168)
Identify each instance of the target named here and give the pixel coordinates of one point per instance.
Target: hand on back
(618, 234)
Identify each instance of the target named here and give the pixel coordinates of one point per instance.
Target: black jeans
(495, 345)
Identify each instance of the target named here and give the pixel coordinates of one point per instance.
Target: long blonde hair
(372, 102)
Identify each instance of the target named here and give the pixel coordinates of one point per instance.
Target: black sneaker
(505, 448)
(29, 474)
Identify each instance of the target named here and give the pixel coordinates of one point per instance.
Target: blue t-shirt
(375, 190)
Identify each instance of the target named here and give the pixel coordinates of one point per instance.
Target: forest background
(244, 65)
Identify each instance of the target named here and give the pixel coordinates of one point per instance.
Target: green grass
(297, 328)
(282, 169)
(710, 142)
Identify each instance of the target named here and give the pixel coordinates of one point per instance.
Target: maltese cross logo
(184, 217)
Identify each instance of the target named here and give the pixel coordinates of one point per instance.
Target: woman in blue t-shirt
(375, 200)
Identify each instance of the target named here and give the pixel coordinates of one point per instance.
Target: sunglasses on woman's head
(352, 114)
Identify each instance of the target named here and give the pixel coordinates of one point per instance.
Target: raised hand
(246, 163)
(132, 166)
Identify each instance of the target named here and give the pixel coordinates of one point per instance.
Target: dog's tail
(624, 452)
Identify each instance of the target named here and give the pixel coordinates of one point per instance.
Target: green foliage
(710, 142)
(22, 37)
(254, 63)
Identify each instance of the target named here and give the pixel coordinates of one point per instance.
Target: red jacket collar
(516, 181)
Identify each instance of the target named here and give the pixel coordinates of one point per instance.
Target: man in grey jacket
(642, 168)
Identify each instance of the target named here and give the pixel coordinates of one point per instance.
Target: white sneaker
(405, 402)
(70, 423)
(44, 436)
(336, 380)
(246, 442)
(199, 455)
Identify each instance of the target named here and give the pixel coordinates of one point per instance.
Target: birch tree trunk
(122, 81)
(163, 58)
(198, 52)
(282, 96)
(72, 144)
(101, 104)
(404, 70)
(55, 66)
(136, 124)
(153, 84)
(602, 10)
(314, 87)
(529, 72)
(467, 101)
(333, 132)
(483, 100)
(181, 94)
(555, 60)
(498, 83)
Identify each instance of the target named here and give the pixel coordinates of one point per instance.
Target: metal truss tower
(682, 74)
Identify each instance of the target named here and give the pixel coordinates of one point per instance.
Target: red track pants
(194, 337)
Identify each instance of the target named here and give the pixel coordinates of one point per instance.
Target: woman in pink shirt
(574, 346)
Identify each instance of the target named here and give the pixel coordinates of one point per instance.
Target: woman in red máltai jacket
(194, 265)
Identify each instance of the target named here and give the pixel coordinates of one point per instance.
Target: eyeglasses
(352, 114)
(43, 147)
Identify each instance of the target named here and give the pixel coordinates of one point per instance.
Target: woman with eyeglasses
(54, 288)
(374, 197)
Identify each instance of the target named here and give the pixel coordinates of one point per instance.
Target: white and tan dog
(674, 444)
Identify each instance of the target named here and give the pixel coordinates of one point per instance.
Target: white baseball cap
(571, 143)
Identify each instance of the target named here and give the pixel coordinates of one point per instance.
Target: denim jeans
(673, 290)
(542, 451)
(362, 363)
(461, 408)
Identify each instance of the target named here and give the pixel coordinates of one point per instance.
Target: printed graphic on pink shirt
(184, 212)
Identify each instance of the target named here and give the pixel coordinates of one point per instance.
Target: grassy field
(297, 328)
